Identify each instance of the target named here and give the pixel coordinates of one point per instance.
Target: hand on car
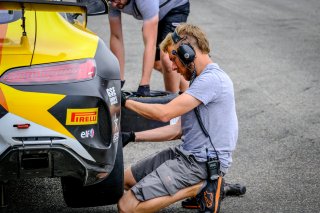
(127, 137)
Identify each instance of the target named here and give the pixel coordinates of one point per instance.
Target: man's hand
(123, 98)
(127, 137)
(143, 90)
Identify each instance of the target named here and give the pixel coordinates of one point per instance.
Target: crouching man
(208, 128)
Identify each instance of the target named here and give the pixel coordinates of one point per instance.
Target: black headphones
(185, 51)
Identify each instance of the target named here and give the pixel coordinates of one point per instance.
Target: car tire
(131, 121)
(107, 192)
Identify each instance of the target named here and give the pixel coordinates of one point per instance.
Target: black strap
(164, 3)
(135, 7)
(196, 111)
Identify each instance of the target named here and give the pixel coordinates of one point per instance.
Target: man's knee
(166, 65)
(121, 206)
(157, 66)
(128, 203)
(129, 180)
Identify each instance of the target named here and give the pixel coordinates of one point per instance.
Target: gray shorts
(165, 173)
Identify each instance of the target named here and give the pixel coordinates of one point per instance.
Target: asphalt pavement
(271, 50)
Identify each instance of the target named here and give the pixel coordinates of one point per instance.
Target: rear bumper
(53, 160)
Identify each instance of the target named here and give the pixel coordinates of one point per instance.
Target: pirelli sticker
(86, 116)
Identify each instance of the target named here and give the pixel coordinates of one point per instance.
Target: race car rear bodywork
(59, 96)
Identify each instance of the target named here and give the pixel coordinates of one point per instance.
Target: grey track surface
(271, 50)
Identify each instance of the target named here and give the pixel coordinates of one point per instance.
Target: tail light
(55, 73)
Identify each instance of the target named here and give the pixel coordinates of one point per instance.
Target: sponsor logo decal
(115, 129)
(115, 137)
(112, 95)
(116, 122)
(87, 134)
(82, 116)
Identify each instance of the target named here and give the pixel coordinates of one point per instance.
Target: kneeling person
(181, 172)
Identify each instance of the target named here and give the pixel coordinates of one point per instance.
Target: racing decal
(87, 134)
(86, 118)
(112, 95)
(3, 31)
(115, 128)
(34, 107)
(115, 137)
(82, 116)
(116, 123)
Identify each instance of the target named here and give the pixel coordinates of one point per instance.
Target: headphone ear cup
(186, 54)
(175, 37)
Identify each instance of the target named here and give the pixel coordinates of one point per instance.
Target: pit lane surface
(271, 50)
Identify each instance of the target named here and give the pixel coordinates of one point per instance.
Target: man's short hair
(190, 34)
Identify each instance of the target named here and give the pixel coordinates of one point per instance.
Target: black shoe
(229, 190)
(143, 90)
(210, 196)
(190, 203)
(234, 189)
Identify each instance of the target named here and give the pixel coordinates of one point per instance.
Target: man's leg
(129, 203)
(173, 81)
(129, 180)
(157, 65)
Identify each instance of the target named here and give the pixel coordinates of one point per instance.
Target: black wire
(196, 111)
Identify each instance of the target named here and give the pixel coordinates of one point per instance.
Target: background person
(180, 172)
(159, 18)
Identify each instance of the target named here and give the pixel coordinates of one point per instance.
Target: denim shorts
(169, 23)
(165, 173)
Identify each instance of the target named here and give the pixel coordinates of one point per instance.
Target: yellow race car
(59, 100)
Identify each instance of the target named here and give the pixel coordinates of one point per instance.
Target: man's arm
(164, 112)
(165, 133)
(149, 33)
(116, 41)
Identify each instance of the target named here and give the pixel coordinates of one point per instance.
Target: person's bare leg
(129, 203)
(157, 66)
(171, 78)
(129, 180)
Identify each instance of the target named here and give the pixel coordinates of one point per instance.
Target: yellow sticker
(82, 116)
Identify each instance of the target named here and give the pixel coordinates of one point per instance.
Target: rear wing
(41, 5)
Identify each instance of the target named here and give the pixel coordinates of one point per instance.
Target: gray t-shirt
(214, 89)
(146, 9)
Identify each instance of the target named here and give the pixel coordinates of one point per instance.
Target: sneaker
(210, 196)
(143, 90)
(234, 189)
(229, 190)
